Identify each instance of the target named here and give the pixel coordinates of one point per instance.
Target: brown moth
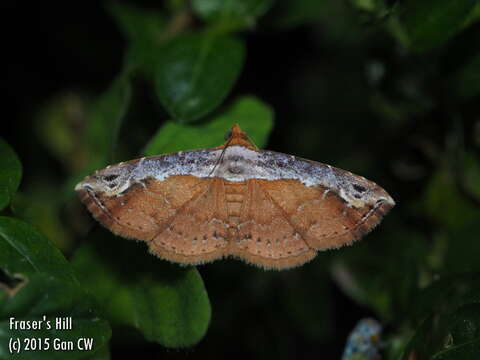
(269, 209)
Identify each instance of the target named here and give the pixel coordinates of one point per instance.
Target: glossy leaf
(430, 23)
(231, 14)
(10, 173)
(167, 303)
(253, 116)
(196, 72)
(40, 282)
(43, 297)
(25, 251)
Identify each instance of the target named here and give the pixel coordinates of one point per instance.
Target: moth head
(235, 136)
(360, 193)
(111, 180)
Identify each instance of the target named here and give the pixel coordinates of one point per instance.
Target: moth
(267, 208)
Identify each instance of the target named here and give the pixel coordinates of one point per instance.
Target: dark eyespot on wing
(359, 188)
(110, 177)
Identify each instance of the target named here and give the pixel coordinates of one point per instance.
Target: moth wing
(197, 233)
(266, 237)
(336, 209)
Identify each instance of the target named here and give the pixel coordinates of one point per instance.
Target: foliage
(386, 89)
(10, 174)
(167, 304)
(39, 284)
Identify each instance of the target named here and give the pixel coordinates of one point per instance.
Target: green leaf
(195, 72)
(253, 116)
(25, 251)
(452, 328)
(231, 14)
(451, 336)
(38, 282)
(430, 23)
(43, 297)
(167, 303)
(10, 173)
(105, 120)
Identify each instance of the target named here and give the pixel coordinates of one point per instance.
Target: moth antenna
(220, 158)
(251, 140)
(218, 161)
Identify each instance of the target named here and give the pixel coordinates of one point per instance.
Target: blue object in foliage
(363, 343)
